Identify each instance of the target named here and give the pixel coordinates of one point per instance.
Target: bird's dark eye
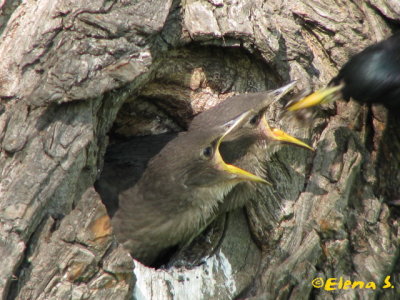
(208, 152)
(254, 120)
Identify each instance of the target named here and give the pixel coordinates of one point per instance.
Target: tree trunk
(73, 73)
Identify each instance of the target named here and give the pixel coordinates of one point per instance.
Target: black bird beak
(316, 98)
(238, 173)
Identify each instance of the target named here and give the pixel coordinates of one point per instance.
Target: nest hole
(183, 83)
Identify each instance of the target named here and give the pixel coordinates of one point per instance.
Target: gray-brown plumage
(124, 164)
(247, 146)
(178, 192)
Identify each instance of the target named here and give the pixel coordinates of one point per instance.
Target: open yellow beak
(318, 97)
(239, 173)
(279, 135)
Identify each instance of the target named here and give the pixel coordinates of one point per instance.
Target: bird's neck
(233, 151)
(168, 219)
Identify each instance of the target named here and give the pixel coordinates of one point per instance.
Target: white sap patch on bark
(182, 284)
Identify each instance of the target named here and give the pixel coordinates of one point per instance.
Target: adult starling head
(178, 192)
(371, 76)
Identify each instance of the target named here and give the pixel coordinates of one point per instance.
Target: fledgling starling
(371, 76)
(246, 147)
(178, 192)
(124, 164)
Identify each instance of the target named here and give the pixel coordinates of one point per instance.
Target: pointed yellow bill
(240, 173)
(318, 97)
(222, 165)
(282, 136)
(279, 135)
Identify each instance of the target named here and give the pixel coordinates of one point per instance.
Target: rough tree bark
(68, 67)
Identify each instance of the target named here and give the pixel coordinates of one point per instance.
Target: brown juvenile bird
(247, 146)
(124, 164)
(178, 192)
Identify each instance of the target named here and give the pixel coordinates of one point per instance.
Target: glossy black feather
(373, 75)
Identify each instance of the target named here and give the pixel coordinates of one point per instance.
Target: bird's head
(208, 166)
(371, 76)
(193, 159)
(255, 128)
